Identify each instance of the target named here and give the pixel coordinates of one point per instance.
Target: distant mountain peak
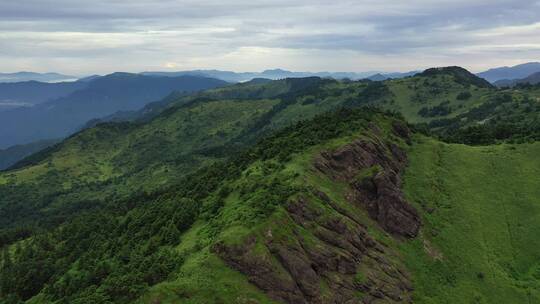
(377, 77)
(462, 75)
(449, 70)
(275, 71)
(33, 76)
(510, 73)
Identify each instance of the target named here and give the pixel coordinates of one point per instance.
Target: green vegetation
(278, 170)
(512, 116)
(440, 110)
(12, 155)
(464, 95)
(118, 251)
(415, 96)
(118, 161)
(481, 220)
(368, 173)
(145, 211)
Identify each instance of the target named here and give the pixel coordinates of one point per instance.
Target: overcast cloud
(101, 36)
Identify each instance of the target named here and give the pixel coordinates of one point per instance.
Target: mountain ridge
(532, 79)
(57, 118)
(276, 74)
(290, 191)
(32, 76)
(514, 72)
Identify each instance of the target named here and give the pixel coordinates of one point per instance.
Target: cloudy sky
(101, 36)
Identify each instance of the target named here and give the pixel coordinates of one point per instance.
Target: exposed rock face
(380, 190)
(260, 270)
(324, 270)
(320, 251)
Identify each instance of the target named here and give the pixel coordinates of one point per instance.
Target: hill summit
(461, 75)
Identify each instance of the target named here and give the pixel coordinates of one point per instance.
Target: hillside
(230, 203)
(480, 213)
(100, 97)
(289, 191)
(329, 242)
(313, 214)
(113, 161)
(423, 98)
(505, 115)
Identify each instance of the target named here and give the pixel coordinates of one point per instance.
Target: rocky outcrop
(260, 270)
(319, 250)
(372, 167)
(340, 264)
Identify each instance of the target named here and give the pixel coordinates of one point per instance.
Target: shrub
(464, 95)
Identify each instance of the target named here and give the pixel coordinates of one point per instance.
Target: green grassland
(481, 214)
(413, 94)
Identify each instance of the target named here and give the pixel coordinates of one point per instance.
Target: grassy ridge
(417, 93)
(255, 203)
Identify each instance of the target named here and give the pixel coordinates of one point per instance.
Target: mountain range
(280, 74)
(102, 96)
(299, 190)
(30, 93)
(26, 89)
(21, 96)
(515, 72)
(32, 76)
(531, 79)
(492, 75)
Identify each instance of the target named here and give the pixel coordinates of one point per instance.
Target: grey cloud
(140, 34)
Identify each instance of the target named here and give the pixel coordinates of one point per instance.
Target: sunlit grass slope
(481, 212)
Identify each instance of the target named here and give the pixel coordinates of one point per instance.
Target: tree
(6, 269)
